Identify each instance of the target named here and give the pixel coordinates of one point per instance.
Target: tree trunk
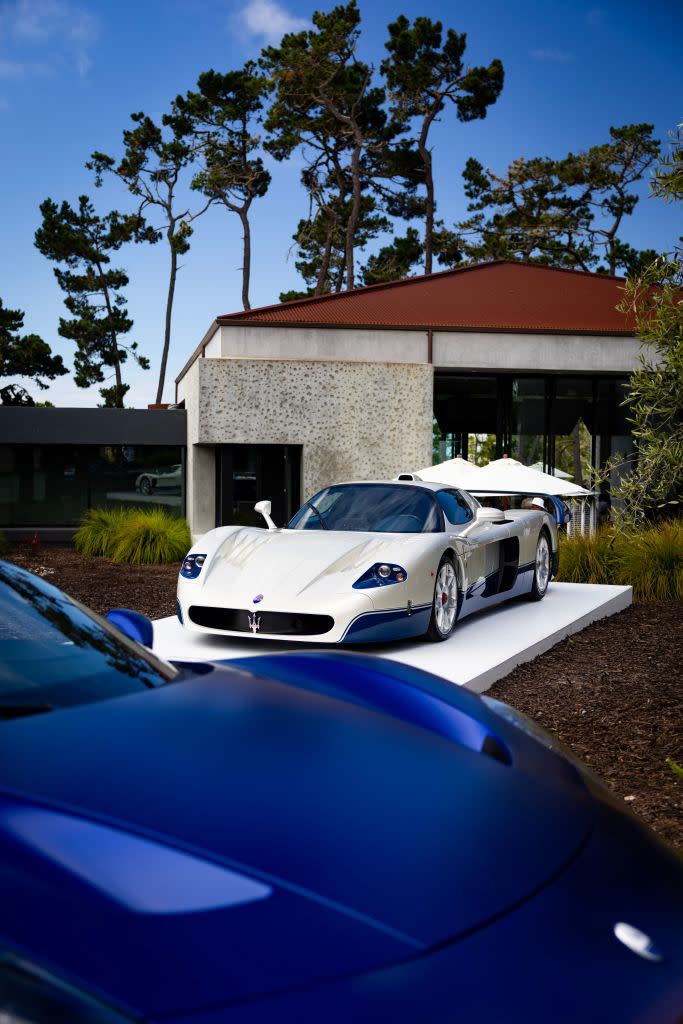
(576, 438)
(114, 345)
(327, 254)
(429, 185)
(246, 262)
(169, 310)
(355, 210)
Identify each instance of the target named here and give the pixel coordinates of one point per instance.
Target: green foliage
(675, 768)
(649, 560)
(424, 72)
(667, 180)
(27, 356)
(322, 244)
(220, 119)
(98, 530)
(151, 537)
(151, 169)
(82, 241)
(585, 559)
(394, 261)
(651, 478)
(564, 212)
(137, 536)
(323, 102)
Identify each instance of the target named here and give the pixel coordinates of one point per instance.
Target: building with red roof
(285, 399)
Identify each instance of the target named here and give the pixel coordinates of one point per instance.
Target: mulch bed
(610, 693)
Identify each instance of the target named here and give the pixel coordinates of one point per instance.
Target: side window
(456, 509)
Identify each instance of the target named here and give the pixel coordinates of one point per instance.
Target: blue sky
(72, 72)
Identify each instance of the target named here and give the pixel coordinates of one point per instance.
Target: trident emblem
(254, 622)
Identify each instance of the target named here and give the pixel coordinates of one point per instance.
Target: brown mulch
(611, 693)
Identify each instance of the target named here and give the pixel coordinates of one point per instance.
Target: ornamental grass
(649, 560)
(138, 536)
(98, 530)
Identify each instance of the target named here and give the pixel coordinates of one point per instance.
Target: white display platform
(483, 648)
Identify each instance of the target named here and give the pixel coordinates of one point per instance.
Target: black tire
(445, 601)
(146, 485)
(542, 567)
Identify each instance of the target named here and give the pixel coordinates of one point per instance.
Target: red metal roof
(501, 295)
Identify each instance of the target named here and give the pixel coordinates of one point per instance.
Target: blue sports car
(308, 837)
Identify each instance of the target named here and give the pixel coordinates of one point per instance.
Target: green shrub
(5, 546)
(586, 559)
(150, 536)
(650, 560)
(139, 536)
(97, 533)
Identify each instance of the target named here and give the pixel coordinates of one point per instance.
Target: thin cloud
(554, 55)
(268, 21)
(30, 25)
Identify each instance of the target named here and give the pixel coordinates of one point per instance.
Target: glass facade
(54, 484)
(553, 422)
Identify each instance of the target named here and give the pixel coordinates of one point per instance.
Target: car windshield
(55, 653)
(371, 508)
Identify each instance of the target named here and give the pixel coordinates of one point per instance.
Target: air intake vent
(239, 620)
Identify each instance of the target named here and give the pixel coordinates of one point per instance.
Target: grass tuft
(652, 563)
(138, 536)
(650, 560)
(97, 533)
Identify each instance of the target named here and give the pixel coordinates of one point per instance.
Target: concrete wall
(355, 420)
(501, 352)
(534, 352)
(315, 342)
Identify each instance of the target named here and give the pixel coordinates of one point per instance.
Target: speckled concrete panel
(354, 420)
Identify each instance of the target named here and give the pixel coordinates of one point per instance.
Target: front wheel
(445, 603)
(146, 485)
(541, 568)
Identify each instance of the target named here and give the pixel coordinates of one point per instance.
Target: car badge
(258, 598)
(254, 622)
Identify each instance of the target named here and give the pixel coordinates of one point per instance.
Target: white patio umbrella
(508, 475)
(458, 472)
(556, 472)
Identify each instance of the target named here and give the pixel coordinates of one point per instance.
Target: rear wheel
(541, 567)
(445, 603)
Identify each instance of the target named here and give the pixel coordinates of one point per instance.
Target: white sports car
(365, 562)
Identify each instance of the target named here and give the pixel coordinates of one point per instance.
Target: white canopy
(509, 475)
(556, 472)
(458, 472)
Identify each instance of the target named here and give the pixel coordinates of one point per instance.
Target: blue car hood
(223, 838)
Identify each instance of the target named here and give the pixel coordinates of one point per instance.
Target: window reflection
(53, 485)
(56, 653)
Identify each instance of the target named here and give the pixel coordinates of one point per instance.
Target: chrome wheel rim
(542, 564)
(445, 598)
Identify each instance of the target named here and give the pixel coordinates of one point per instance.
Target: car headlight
(31, 995)
(192, 566)
(380, 574)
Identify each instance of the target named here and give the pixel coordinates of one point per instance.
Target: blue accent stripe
(397, 624)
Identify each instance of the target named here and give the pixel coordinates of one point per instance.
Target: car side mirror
(264, 508)
(490, 515)
(133, 624)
